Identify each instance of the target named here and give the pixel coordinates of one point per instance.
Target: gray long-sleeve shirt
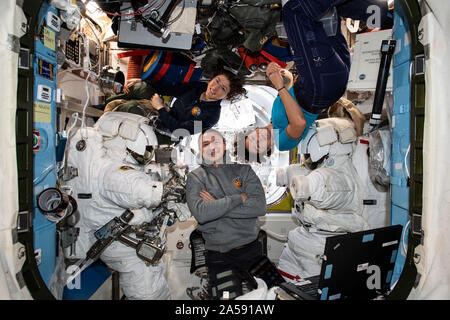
(226, 222)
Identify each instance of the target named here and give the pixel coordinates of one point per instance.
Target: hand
(157, 102)
(272, 67)
(287, 75)
(129, 83)
(206, 196)
(273, 72)
(244, 197)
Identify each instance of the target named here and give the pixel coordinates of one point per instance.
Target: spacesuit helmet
(143, 148)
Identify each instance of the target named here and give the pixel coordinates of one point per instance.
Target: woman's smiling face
(218, 88)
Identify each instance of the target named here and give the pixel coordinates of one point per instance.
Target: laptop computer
(356, 265)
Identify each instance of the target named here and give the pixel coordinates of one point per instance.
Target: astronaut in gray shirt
(226, 199)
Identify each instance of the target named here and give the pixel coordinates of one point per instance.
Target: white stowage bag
(301, 257)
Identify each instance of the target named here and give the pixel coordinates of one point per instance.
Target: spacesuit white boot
(331, 199)
(106, 185)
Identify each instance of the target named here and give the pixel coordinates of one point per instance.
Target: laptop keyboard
(305, 291)
(310, 288)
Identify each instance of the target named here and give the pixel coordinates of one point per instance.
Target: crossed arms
(250, 203)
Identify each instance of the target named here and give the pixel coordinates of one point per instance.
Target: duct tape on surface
(183, 17)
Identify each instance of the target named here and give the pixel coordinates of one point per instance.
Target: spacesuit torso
(106, 186)
(336, 197)
(105, 183)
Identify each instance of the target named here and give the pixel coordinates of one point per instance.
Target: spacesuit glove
(141, 215)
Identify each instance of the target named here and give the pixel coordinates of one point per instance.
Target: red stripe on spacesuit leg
(289, 276)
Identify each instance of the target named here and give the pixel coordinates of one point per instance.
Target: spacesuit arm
(255, 205)
(129, 188)
(205, 211)
(297, 121)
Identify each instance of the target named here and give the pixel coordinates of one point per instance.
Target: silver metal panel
(132, 33)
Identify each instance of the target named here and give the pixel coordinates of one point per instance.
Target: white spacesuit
(338, 196)
(108, 161)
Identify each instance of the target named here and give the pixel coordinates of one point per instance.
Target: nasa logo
(195, 111)
(126, 168)
(237, 182)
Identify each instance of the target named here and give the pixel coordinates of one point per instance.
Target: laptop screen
(359, 265)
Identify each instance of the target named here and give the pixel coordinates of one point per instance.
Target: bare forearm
(296, 118)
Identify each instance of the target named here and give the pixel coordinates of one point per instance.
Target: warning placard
(49, 39)
(42, 112)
